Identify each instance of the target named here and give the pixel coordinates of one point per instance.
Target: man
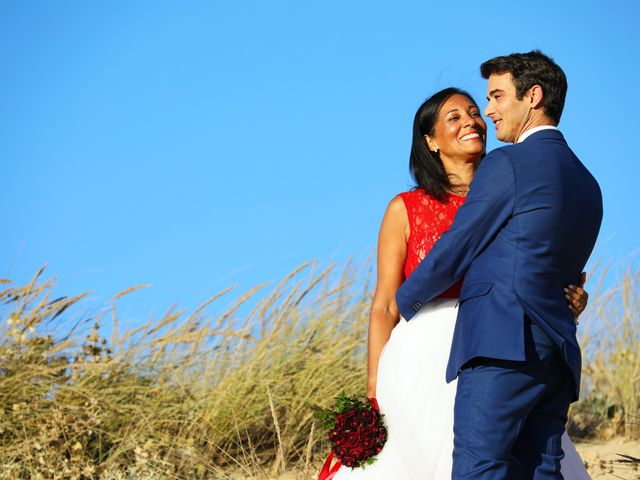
(527, 228)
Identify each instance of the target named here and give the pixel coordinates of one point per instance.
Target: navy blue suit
(526, 230)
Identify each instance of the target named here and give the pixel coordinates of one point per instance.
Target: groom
(527, 228)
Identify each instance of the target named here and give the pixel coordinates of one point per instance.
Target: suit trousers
(510, 416)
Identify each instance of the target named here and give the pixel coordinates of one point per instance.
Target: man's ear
(536, 94)
(431, 143)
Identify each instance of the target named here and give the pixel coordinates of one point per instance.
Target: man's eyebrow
(493, 92)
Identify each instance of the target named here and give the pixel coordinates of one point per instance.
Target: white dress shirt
(533, 130)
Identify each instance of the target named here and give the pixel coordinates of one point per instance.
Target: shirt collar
(533, 130)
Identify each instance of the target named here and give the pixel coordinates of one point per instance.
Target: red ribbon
(328, 472)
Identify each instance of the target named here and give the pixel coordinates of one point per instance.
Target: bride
(407, 360)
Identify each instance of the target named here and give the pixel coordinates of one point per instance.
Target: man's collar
(533, 130)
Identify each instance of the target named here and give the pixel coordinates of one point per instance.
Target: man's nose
(488, 110)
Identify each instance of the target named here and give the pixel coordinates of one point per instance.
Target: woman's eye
(454, 117)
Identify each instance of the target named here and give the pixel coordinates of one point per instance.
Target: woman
(407, 360)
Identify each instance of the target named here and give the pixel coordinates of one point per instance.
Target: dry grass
(228, 395)
(610, 340)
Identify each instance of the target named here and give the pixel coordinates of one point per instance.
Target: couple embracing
(491, 297)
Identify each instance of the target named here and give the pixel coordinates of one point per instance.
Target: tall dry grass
(188, 396)
(229, 395)
(609, 336)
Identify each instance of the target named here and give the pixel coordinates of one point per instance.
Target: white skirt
(417, 403)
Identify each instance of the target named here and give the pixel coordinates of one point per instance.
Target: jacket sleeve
(488, 207)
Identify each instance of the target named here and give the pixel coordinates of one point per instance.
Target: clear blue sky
(197, 144)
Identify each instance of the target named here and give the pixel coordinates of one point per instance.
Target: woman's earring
(429, 142)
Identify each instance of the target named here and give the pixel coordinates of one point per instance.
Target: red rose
(367, 417)
(368, 438)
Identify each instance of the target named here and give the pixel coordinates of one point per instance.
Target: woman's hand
(577, 296)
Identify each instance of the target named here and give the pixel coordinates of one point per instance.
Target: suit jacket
(526, 230)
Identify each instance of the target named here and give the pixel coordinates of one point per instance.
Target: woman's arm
(392, 253)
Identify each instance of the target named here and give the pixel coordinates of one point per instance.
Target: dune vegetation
(231, 394)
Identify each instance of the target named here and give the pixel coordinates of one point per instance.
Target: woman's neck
(460, 174)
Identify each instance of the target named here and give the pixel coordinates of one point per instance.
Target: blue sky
(194, 145)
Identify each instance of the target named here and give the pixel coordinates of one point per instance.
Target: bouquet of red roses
(356, 431)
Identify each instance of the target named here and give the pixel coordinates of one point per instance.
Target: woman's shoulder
(419, 204)
(412, 194)
(396, 217)
(405, 204)
(404, 201)
(419, 196)
(415, 196)
(397, 205)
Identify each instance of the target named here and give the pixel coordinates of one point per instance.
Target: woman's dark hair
(529, 69)
(426, 167)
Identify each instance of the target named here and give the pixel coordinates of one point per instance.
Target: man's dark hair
(529, 69)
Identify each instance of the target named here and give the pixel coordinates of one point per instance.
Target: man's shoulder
(514, 151)
(496, 170)
(501, 157)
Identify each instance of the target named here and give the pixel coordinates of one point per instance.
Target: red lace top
(428, 220)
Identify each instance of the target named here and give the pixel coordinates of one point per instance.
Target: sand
(603, 460)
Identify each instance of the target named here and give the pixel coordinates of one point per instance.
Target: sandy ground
(603, 459)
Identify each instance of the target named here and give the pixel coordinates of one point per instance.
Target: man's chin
(503, 137)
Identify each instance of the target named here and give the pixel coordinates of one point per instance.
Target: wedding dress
(411, 390)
